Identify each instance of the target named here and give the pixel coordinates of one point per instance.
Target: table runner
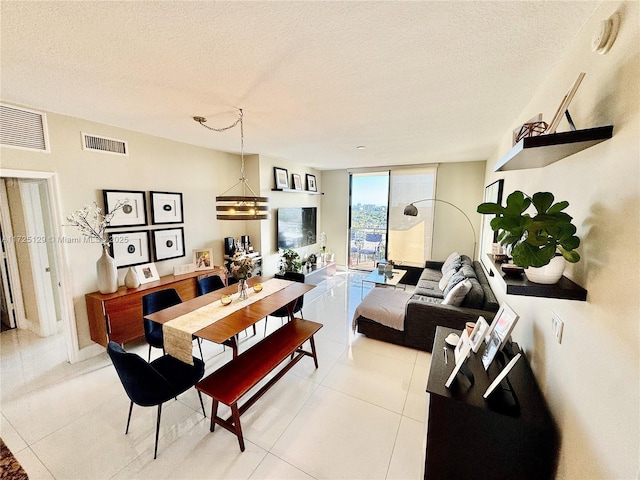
(178, 333)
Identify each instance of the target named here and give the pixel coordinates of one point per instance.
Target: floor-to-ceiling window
(379, 230)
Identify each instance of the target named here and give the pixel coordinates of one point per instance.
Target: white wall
(153, 164)
(591, 380)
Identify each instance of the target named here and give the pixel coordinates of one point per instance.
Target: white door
(42, 263)
(7, 312)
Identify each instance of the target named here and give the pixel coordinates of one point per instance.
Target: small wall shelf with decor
(292, 190)
(542, 150)
(519, 285)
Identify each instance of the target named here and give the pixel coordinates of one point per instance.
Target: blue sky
(370, 189)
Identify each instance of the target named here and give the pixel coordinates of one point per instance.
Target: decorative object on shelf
(311, 183)
(296, 180)
(166, 207)
(130, 248)
(168, 243)
(203, 258)
(412, 211)
(488, 238)
(147, 273)
(518, 131)
(92, 224)
(290, 260)
(239, 207)
(532, 129)
(563, 109)
(281, 177)
(131, 279)
(535, 241)
(129, 207)
(511, 270)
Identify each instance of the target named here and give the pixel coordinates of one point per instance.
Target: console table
(118, 316)
(505, 436)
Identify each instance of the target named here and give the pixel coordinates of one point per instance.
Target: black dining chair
(208, 284)
(283, 312)
(154, 302)
(151, 384)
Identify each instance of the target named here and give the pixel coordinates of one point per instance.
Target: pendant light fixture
(243, 206)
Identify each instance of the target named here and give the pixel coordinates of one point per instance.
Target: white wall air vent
(22, 128)
(94, 143)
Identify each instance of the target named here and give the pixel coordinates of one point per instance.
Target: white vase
(107, 273)
(547, 274)
(131, 279)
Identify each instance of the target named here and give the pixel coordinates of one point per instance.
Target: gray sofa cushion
(475, 296)
(468, 271)
(455, 280)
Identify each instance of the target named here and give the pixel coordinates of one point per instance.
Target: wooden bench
(232, 381)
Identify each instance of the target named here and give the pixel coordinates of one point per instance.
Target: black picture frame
(130, 248)
(134, 213)
(492, 193)
(168, 243)
(166, 207)
(281, 177)
(312, 186)
(296, 181)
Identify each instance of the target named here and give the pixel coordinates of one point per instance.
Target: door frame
(70, 331)
(12, 272)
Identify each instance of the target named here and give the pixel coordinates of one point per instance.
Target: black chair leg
(149, 356)
(200, 347)
(202, 404)
(155, 451)
(129, 418)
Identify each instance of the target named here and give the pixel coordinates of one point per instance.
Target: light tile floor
(360, 415)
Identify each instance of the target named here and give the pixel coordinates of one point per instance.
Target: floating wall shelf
(292, 190)
(535, 152)
(565, 289)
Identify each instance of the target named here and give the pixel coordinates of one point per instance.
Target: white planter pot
(549, 274)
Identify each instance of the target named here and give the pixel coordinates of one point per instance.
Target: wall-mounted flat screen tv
(296, 226)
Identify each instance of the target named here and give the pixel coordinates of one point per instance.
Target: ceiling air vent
(22, 128)
(113, 146)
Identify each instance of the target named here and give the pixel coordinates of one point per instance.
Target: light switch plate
(557, 326)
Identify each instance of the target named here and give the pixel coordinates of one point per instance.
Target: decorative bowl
(257, 287)
(225, 299)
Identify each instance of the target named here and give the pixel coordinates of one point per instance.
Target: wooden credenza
(118, 316)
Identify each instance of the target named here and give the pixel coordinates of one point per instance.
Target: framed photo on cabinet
(147, 273)
(130, 248)
(203, 258)
(134, 211)
(166, 207)
(168, 243)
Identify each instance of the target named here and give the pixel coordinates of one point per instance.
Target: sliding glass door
(379, 230)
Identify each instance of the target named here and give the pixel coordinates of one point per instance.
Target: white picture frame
(477, 335)
(130, 248)
(503, 324)
(166, 207)
(501, 376)
(147, 273)
(464, 352)
(203, 258)
(168, 243)
(462, 341)
(133, 214)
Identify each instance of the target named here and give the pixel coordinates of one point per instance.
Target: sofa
(448, 293)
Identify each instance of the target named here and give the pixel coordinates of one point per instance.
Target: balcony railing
(362, 258)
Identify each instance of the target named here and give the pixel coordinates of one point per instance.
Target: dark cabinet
(509, 435)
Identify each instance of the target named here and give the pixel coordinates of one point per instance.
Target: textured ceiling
(414, 82)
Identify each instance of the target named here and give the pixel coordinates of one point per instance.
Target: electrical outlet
(557, 325)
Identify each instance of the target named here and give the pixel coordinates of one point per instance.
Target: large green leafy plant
(534, 240)
(289, 260)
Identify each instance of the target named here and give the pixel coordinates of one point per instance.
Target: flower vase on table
(242, 289)
(107, 273)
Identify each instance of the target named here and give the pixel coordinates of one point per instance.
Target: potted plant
(542, 240)
(289, 261)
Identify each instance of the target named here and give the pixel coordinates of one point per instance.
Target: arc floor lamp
(412, 211)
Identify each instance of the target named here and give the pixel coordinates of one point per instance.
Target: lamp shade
(411, 210)
(242, 208)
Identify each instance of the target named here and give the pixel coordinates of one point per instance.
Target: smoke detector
(606, 34)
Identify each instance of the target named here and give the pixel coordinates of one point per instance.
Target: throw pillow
(455, 280)
(453, 261)
(444, 281)
(456, 294)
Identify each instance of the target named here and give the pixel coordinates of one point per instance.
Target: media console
(317, 274)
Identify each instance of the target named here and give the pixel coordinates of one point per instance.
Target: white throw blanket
(385, 306)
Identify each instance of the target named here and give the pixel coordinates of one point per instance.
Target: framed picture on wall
(311, 183)
(166, 207)
(492, 193)
(168, 243)
(297, 181)
(130, 248)
(132, 214)
(281, 177)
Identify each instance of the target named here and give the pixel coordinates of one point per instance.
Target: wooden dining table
(225, 330)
